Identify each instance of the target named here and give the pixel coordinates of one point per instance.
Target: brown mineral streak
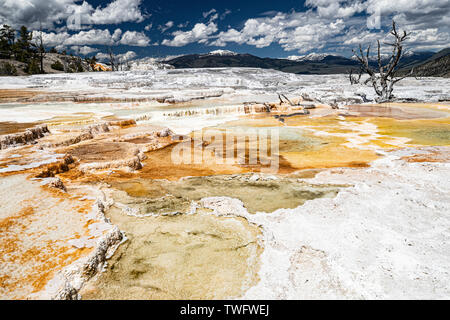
(12, 95)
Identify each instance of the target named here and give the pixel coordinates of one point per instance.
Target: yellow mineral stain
(330, 157)
(430, 132)
(441, 106)
(328, 150)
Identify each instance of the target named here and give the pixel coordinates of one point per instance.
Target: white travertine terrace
(384, 236)
(229, 82)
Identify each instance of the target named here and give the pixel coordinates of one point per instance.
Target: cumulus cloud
(122, 57)
(116, 35)
(134, 38)
(127, 56)
(118, 11)
(32, 13)
(339, 25)
(326, 24)
(200, 33)
(53, 39)
(336, 8)
(101, 56)
(84, 50)
(49, 13)
(96, 37)
(300, 31)
(93, 36)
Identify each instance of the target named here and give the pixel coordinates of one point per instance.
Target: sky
(157, 28)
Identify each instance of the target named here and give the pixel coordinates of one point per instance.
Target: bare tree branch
(288, 100)
(112, 60)
(383, 82)
(40, 47)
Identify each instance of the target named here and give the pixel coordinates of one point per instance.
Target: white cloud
(33, 13)
(337, 24)
(102, 56)
(122, 57)
(167, 26)
(148, 27)
(200, 33)
(336, 8)
(206, 14)
(302, 31)
(183, 25)
(96, 37)
(213, 17)
(356, 37)
(223, 15)
(134, 38)
(129, 55)
(334, 24)
(118, 11)
(84, 50)
(116, 35)
(93, 36)
(53, 39)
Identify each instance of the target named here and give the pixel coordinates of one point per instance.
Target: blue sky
(139, 28)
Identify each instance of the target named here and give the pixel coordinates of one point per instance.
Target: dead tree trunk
(383, 79)
(112, 60)
(40, 47)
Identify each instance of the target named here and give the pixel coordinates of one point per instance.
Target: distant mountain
(222, 53)
(314, 63)
(438, 65)
(414, 58)
(410, 58)
(326, 64)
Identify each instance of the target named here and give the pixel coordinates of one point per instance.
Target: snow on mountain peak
(309, 57)
(222, 53)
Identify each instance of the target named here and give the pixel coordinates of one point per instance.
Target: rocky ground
(49, 59)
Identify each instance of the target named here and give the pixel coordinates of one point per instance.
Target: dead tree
(40, 48)
(353, 79)
(112, 60)
(65, 62)
(383, 79)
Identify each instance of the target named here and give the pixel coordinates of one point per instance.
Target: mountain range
(314, 63)
(438, 65)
